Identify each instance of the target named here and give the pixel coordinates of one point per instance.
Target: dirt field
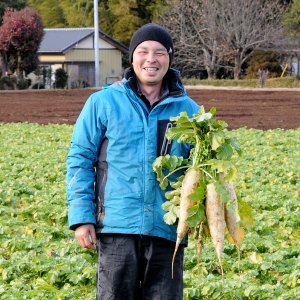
(251, 108)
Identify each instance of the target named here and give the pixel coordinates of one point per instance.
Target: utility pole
(96, 43)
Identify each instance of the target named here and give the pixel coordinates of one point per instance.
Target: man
(119, 133)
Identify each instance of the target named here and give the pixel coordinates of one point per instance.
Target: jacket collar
(174, 84)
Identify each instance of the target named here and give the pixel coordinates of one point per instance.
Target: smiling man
(113, 196)
(150, 64)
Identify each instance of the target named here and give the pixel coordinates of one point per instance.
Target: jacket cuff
(80, 213)
(73, 227)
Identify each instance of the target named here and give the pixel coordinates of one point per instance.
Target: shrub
(61, 78)
(264, 60)
(7, 83)
(23, 84)
(79, 84)
(38, 86)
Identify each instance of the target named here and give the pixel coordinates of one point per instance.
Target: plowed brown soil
(251, 108)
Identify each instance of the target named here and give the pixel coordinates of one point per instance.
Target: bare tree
(195, 35)
(208, 32)
(245, 26)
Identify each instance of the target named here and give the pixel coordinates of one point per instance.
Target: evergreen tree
(50, 11)
(78, 13)
(117, 18)
(291, 20)
(17, 4)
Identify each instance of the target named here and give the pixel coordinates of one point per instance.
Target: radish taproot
(231, 213)
(199, 196)
(232, 219)
(189, 183)
(215, 220)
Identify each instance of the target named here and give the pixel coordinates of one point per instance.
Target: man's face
(150, 62)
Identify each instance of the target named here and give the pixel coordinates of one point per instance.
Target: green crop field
(39, 258)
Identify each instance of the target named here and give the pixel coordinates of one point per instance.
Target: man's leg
(118, 269)
(158, 282)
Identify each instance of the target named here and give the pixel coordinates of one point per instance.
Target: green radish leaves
(169, 163)
(212, 152)
(171, 207)
(225, 151)
(217, 139)
(197, 212)
(181, 134)
(196, 215)
(198, 193)
(172, 215)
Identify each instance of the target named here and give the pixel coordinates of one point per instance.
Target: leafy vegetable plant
(40, 258)
(203, 196)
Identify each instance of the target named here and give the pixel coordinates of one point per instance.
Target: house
(290, 51)
(73, 50)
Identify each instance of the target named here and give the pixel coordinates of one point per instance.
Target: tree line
(209, 35)
(222, 34)
(117, 18)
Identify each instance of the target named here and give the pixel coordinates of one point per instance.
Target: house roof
(289, 44)
(62, 39)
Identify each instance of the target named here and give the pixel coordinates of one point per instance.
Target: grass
(285, 82)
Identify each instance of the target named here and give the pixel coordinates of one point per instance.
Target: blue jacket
(110, 181)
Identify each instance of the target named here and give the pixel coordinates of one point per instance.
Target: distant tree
(209, 32)
(64, 13)
(50, 11)
(17, 4)
(117, 18)
(61, 78)
(78, 13)
(248, 25)
(193, 26)
(291, 20)
(286, 2)
(126, 19)
(106, 18)
(121, 19)
(156, 9)
(20, 37)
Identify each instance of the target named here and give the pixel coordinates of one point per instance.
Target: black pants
(135, 267)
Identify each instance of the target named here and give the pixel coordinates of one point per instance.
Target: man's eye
(160, 53)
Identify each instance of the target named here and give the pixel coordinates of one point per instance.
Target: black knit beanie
(152, 32)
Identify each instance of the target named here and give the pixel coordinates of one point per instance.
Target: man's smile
(151, 69)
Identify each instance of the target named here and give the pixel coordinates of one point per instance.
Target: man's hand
(86, 236)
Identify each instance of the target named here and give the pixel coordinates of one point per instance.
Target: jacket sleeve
(87, 136)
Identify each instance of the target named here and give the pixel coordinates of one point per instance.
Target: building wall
(81, 68)
(88, 43)
(81, 55)
(110, 66)
(52, 58)
(80, 74)
(296, 66)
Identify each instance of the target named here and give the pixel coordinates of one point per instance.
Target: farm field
(240, 107)
(39, 258)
